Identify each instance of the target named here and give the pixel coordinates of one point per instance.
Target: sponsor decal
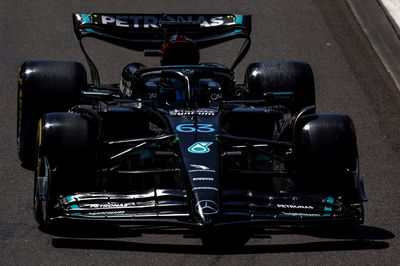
(190, 112)
(202, 167)
(301, 214)
(187, 71)
(149, 21)
(205, 188)
(288, 206)
(203, 179)
(200, 147)
(206, 207)
(110, 205)
(130, 21)
(194, 171)
(107, 213)
(202, 128)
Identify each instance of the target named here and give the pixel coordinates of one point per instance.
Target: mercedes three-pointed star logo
(206, 207)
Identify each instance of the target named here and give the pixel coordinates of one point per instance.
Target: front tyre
(65, 161)
(327, 156)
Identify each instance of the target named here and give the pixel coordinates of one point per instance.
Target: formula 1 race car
(183, 144)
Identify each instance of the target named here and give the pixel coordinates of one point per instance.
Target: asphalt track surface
(349, 79)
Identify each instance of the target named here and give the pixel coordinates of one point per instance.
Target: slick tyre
(327, 156)
(282, 76)
(65, 160)
(44, 86)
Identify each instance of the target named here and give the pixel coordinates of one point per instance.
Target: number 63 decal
(203, 128)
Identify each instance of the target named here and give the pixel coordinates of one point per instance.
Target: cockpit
(181, 87)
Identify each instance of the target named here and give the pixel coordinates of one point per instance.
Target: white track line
(392, 9)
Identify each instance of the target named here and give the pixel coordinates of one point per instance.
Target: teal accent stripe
(328, 208)
(236, 32)
(330, 200)
(239, 19)
(74, 207)
(86, 18)
(70, 198)
(283, 93)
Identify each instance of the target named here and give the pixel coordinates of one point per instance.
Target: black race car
(183, 144)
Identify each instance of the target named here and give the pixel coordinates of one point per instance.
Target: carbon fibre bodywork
(193, 172)
(185, 145)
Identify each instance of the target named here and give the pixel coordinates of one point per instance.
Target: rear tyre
(327, 156)
(282, 76)
(66, 152)
(44, 86)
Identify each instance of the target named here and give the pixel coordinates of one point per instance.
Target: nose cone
(208, 211)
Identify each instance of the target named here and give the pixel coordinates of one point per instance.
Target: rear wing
(142, 32)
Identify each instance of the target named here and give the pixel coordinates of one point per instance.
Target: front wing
(237, 207)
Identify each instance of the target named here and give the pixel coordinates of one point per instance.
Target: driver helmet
(180, 50)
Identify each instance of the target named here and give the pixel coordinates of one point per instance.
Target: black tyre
(44, 86)
(66, 154)
(282, 76)
(327, 156)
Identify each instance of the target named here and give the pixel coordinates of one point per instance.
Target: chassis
(183, 144)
